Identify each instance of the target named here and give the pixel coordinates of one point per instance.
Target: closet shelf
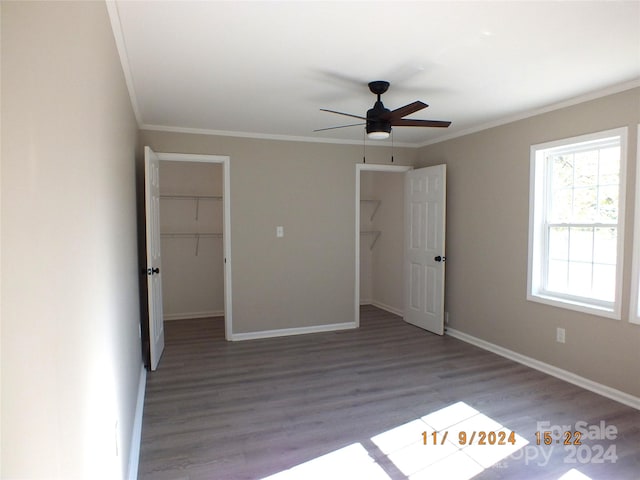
(193, 197)
(374, 233)
(196, 198)
(375, 207)
(195, 235)
(190, 234)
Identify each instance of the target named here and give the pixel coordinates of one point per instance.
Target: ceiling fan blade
(404, 111)
(407, 122)
(342, 113)
(341, 126)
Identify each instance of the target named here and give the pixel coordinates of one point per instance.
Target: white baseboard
(604, 390)
(388, 308)
(283, 332)
(136, 433)
(189, 315)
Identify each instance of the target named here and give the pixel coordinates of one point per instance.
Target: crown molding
(118, 35)
(613, 89)
(268, 136)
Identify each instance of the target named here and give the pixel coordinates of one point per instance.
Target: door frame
(225, 161)
(366, 167)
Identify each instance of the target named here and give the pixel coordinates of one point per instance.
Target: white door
(154, 279)
(424, 206)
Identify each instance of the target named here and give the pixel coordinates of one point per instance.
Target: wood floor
(354, 405)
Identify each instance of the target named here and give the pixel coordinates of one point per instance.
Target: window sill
(600, 311)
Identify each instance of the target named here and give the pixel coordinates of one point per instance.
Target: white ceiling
(265, 69)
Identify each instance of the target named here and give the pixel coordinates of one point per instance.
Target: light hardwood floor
(253, 409)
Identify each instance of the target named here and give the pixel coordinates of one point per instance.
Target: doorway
(378, 210)
(195, 237)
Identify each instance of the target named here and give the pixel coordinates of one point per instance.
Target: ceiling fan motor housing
(374, 121)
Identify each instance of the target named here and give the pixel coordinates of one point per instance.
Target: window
(576, 214)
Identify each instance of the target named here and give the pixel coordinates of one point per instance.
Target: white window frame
(538, 183)
(634, 314)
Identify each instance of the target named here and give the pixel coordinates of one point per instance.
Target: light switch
(279, 231)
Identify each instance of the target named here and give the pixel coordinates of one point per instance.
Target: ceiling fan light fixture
(381, 135)
(378, 129)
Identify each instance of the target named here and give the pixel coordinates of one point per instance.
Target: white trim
(611, 90)
(562, 302)
(285, 332)
(118, 35)
(600, 389)
(172, 317)
(366, 167)
(136, 431)
(226, 233)
(270, 136)
(388, 308)
(634, 314)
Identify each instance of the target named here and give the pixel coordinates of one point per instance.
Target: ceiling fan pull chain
(392, 145)
(364, 141)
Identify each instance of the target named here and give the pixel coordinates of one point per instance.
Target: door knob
(440, 259)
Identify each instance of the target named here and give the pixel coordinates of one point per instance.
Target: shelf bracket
(375, 239)
(375, 234)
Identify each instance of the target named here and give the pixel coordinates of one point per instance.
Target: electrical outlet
(279, 231)
(560, 335)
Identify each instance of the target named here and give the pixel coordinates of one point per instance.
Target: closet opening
(194, 238)
(379, 233)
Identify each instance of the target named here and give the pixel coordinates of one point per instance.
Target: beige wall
(487, 238)
(70, 311)
(388, 253)
(192, 269)
(306, 278)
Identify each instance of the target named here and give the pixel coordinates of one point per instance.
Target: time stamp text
(575, 439)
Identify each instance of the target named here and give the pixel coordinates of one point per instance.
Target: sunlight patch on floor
(574, 474)
(442, 444)
(352, 461)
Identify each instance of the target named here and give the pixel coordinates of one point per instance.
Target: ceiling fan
(379, 119)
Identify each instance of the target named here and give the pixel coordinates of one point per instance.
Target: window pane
(585, 205)
(581, 244)
(608, 199)
(580, 279)
(604, 282)
(562, 171)
(557, 276)
(561, 206)
(586, 168)
(610, 166)
(605, 245)
(559, 243)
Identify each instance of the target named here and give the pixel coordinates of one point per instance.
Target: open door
(425, 194)
(154, 279)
